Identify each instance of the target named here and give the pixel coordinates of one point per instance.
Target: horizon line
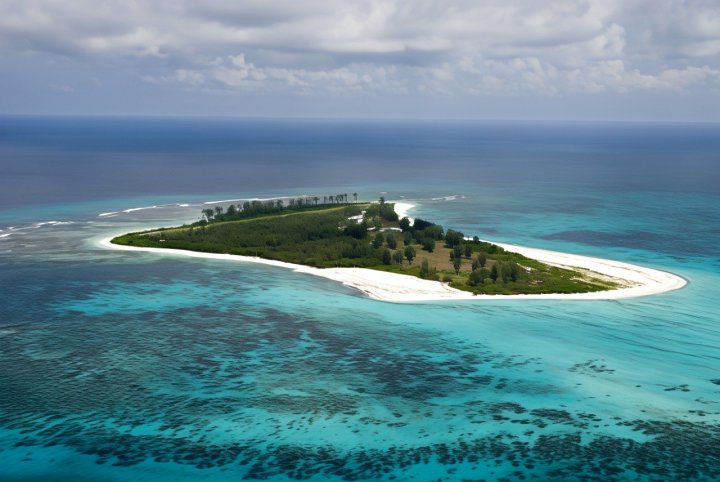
(351, 119)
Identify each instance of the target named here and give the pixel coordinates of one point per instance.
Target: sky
(478, 59)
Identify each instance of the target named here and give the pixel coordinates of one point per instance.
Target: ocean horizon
(137, 366)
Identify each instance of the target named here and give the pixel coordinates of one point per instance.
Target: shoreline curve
(399, 288)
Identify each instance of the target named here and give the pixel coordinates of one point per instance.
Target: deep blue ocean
(135, 366)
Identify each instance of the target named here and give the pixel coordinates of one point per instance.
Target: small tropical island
(332, 234)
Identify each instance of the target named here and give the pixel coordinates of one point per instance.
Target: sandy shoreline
(640, 281)
(400, 288)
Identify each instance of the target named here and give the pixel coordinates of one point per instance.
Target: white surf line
(132, 210)
(401, 288)
(251, 199)
(448, 198)
(54, 223)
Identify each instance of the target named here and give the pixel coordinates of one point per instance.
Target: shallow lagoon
(124, 365)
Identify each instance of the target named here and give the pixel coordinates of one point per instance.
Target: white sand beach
(402, 210)
(634, 280)
(398, 288)
(637, 280)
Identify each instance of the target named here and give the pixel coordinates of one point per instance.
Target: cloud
(235, 72)
(685, 29)
(183, 76)
(455, 47)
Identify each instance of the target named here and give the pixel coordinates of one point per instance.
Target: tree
(482, 259)
(357, 231)
(407, 238)
(457, 252)
(435, 231)
(453, 238)
(391, 241)
(512, 271)
(468, 250)
(405, 224)
(424, 269)
(505, 272)
(421, 224)
(409, 253)
(218, 210)
(398, 257)
(209, 213)
(387, 212)
(386, 257)
(378, 241)
(494, 273)
(457, 261)
(428, 244)
(316, 199)
(477, 277)
(355, 196)
(382, 200)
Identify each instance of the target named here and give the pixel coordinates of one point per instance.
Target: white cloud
(182, 76)
(236, 72)
(459, 47)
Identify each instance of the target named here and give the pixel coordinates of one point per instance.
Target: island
(376, 248)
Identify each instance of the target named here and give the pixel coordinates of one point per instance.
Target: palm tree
(316, 199)
(355, 196)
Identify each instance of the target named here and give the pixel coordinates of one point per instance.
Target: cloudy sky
(484, 59)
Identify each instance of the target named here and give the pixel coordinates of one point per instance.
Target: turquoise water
(136, 366)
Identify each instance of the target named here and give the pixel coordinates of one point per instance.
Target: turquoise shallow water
(135, 366)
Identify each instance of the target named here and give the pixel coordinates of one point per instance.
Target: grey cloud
(254, 13)
(458, 47)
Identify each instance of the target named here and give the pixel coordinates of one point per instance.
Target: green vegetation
(338, 233)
